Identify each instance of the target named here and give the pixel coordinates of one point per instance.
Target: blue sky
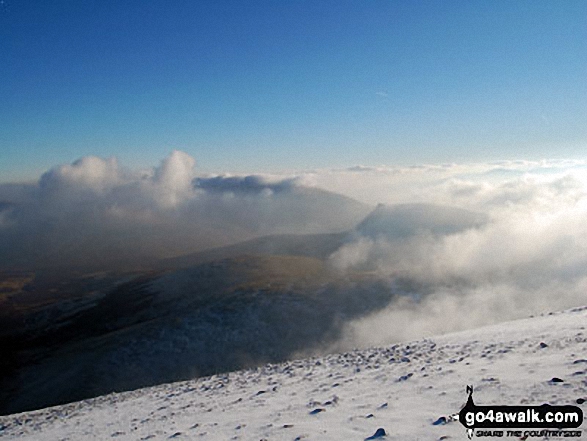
(274, 85)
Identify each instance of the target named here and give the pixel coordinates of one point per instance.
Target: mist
(98, 214)
(529, 257)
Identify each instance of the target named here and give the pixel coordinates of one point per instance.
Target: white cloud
(172, 180)
(94, 211)
(86, 174)
(530, 257)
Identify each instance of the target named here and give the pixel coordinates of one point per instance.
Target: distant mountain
(291, 210)
(98, 236)
(405, 220)
(387, 221)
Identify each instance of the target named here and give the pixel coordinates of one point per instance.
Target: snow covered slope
(403, 389)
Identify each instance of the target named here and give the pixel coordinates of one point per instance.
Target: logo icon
(546, 416)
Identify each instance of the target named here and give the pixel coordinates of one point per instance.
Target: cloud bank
(528, 258)
(97, 213)
(521, 249)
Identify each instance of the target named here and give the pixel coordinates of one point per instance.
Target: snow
(403, 389)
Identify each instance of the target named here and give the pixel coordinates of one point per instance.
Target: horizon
(272, 88)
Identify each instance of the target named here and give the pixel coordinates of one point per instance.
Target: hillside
(404, 389)
(74, 336)
(105, 333)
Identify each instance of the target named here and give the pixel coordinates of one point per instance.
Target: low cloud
(93, 180)
(521, 249)
(429, 183)
(97, 213)
(529, 257)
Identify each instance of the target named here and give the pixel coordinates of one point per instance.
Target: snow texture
(402, 392)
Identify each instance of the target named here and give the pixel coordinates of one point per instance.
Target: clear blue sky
(270, 85)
